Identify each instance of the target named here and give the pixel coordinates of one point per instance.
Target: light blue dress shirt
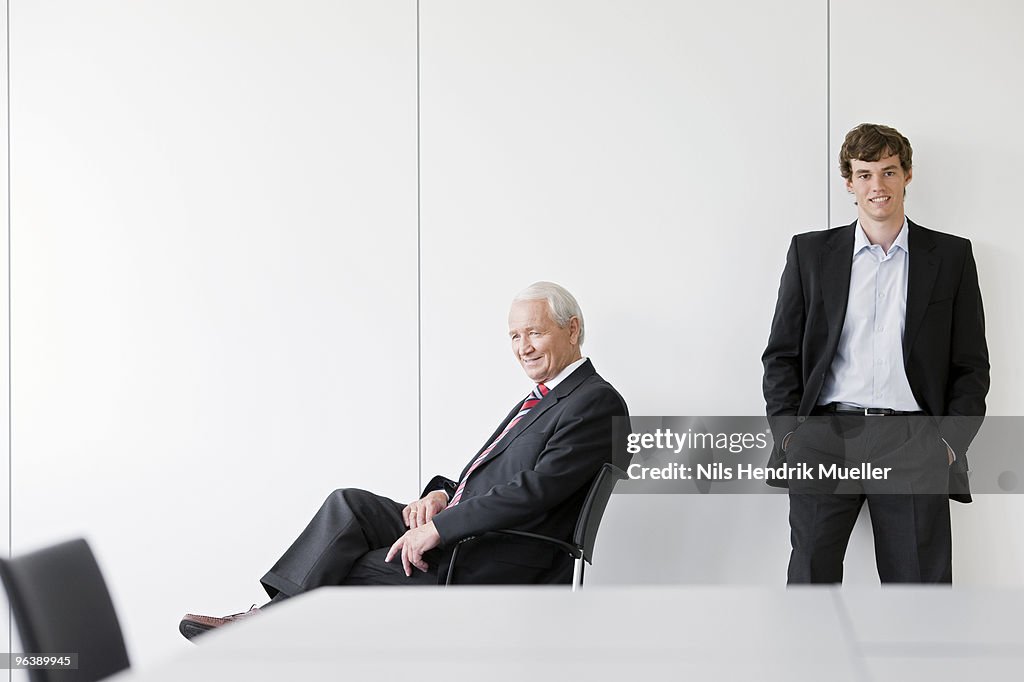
(868, 369)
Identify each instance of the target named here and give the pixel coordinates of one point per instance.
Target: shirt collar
(569, 369)
(860, 239)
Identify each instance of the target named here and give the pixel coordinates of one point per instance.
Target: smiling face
(879, 187)
(542, 347)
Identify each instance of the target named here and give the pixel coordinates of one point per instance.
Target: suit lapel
(924, 268)
(835, 266)
(564, 388)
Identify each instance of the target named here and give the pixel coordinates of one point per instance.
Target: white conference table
(604, 632)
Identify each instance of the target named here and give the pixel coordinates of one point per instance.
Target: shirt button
(878, 329)
(881, 295)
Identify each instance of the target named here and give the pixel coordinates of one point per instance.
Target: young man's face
(879, 187)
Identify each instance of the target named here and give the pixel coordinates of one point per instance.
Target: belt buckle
(877, 412)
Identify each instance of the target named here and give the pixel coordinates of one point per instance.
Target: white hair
(561, 304)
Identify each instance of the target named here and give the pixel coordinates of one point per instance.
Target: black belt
(846, 408)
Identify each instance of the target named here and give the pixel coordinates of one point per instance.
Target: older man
(532, 474)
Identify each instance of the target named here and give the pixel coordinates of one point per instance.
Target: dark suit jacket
(534, 480)
(944, 348)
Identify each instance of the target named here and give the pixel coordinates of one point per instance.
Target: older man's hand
(413, 545)
(422, 510)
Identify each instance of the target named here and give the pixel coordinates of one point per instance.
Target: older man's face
(542, 347)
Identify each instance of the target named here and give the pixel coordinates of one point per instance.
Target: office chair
(62, 606)
(581, 549)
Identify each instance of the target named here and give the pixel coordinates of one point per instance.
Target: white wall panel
(214, 289)
(653, 157)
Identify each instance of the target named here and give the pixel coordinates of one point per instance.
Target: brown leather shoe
(193, 625)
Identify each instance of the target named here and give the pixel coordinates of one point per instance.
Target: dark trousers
(909, 507)
(345, 544)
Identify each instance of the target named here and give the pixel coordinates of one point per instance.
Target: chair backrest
(594, 505)
(61, 606)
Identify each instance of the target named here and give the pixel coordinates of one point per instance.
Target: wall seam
(419, 277)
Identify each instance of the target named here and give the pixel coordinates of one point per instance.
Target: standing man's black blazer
(944, 348)
(534, 480)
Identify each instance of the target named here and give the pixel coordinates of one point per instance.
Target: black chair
(62, 606)
(581, 549)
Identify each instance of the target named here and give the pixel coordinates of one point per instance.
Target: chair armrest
(573, 551)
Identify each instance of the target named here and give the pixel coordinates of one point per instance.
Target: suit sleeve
(580, 443)
(968, 381)
(783, 362)
(440, 483)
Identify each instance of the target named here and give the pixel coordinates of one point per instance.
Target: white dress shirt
(868, 369)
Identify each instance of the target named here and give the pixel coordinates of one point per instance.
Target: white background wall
(225, 286)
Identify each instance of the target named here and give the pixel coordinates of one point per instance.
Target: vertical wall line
(419, 277)
(10, 424)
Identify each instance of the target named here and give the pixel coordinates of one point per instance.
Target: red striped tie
(539, 391)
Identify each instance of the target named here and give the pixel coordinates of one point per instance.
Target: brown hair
(871, 142)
